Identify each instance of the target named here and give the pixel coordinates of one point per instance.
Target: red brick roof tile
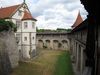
(27, 16)
(78, 21)
(8, 11)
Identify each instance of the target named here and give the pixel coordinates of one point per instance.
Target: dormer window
(25, 25)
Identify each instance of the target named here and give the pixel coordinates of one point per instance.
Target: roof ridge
(10, 6)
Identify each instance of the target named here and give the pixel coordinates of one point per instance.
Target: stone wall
(98, 50)
(78, 46)
(9, 56)
(52, 41)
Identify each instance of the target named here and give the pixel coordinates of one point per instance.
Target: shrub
(7, 25)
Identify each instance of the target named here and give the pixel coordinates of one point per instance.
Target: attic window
(20, 13)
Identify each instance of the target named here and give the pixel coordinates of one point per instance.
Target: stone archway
(65, 44)
(48, 44)
(55, 44)
(40, 43)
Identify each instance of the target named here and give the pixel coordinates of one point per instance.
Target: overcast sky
(52, 14)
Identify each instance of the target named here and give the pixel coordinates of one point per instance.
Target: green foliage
(50, 62)
(57, 30)
(7, 25)
(69, 30)
(40, 30)
(3, 25)
(63, 30)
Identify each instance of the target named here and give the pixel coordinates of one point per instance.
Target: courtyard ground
(48, 62)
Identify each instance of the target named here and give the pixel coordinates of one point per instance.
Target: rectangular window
(25, 38)
(18, 37)
(18, 24)
(33, 38)
(33, 24)
(25, 25)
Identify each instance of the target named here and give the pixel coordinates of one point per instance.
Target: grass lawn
(48, 62)
(25, 69)
(63, 65)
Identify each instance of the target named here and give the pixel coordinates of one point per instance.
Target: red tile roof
(78, 21)
(27, 16)
(8, 11)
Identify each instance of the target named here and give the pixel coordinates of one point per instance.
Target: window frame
(33, 25)
(33, 38)
(19, 13)
(25, 38)
(18, 24)
(25, 25)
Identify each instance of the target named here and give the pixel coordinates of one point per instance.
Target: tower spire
(24, 1)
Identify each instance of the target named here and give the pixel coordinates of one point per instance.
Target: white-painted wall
(30, 28)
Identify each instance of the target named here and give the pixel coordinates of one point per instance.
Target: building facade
(85, 44)
(26, 29)
(78, 40)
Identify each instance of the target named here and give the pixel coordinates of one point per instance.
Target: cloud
(4, 3)
(52, 14)
(57, 13)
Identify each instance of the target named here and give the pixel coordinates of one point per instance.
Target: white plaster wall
(29, 28)
(33, 40)
(16, 16)
(26, 42)
(25, 33)
(25, 52)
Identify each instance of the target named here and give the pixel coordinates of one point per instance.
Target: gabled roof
(8, 11)
(28, 16)
(78, 21)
